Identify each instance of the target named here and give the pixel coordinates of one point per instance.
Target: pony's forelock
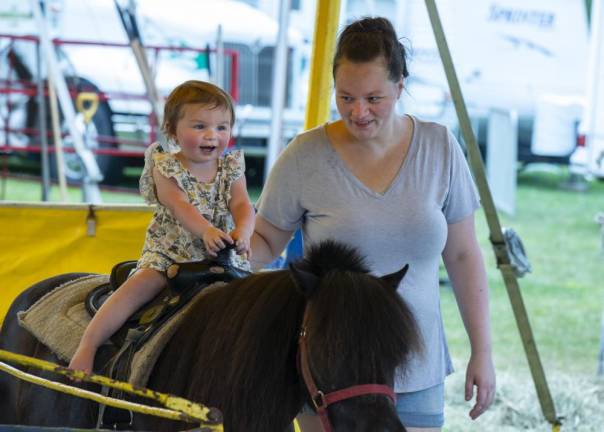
(329, 255)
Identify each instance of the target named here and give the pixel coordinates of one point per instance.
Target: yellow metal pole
(96, 397)
(319, 94)
(178, 408)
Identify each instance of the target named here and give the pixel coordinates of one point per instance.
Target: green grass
(564, 294)
(564, 298)
(12, 189)
(24, 189)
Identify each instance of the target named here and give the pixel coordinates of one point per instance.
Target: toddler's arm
(174, 198)
(243, 216)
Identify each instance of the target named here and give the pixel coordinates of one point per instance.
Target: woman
(398, 189)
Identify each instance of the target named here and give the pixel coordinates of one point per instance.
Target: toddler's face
(202, 132)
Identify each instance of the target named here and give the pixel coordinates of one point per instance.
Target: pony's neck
(241, 340)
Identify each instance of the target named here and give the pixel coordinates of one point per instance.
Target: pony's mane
(352, 305)
(243, 336)
(329, 255)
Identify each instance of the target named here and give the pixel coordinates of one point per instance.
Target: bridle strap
(321, 400)
(360, 390)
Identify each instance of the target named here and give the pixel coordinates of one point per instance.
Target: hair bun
(365, 39)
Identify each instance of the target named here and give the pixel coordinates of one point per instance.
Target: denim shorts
(422, 408)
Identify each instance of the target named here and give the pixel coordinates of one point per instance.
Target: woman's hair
(365, 40)
(194, 92)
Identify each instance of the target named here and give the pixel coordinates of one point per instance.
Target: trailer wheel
(111, 166)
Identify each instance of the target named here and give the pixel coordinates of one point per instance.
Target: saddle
(185, 281)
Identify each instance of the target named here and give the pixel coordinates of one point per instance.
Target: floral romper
(167, 241)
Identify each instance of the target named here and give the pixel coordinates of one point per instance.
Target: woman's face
(366, 97)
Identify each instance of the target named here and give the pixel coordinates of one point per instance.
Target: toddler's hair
(194, 92)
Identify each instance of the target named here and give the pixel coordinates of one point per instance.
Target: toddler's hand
(215, 240)
(242, 242)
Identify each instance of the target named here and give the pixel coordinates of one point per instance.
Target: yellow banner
(38, 241)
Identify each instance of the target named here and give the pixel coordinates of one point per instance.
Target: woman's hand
(480, 373)
(215, 240)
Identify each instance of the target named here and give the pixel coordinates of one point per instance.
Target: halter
(321, 400)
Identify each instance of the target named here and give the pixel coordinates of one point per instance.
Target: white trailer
(593, 123)
(524, 57)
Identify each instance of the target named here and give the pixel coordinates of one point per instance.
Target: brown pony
(236, 350)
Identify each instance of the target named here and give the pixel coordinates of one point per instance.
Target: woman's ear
(399, 88)
(305, 281)
(394, 279)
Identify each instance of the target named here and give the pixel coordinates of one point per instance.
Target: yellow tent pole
(319, 94)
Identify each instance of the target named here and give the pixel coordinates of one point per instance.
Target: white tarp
(594, 113)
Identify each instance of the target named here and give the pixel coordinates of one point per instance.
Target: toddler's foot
(82, 360)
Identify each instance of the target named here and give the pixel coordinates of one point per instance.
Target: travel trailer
(526, 58)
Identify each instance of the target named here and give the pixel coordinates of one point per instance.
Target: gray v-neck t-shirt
(311, 188)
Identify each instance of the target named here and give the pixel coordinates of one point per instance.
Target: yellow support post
(319, 94)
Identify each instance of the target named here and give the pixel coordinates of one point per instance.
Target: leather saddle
(185, 280)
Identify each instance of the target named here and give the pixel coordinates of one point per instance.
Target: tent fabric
(38, 241)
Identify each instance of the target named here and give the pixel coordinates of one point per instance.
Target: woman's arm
(174, 198)
(465, 266)
(243, 215)
(268, 242)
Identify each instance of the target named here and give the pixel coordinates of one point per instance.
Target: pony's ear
(394, 279)
(305, 281)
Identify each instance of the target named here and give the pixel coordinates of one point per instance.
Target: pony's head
(358, 330)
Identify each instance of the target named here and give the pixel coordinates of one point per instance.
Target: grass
(28, 189)
(564, 297)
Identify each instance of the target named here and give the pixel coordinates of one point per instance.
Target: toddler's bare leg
(136, 291)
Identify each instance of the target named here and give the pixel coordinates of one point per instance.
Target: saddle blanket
(59, 318)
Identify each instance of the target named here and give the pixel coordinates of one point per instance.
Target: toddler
(201, 202)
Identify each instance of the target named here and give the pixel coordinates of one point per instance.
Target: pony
(238, 350)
